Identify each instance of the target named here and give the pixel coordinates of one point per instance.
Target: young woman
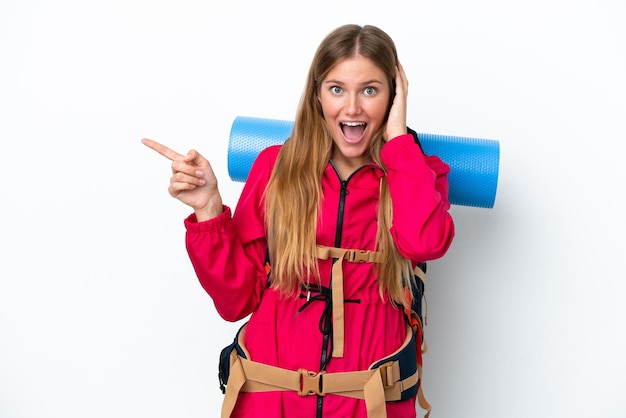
(343, 211)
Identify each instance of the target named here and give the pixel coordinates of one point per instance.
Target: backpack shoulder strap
(415, 137)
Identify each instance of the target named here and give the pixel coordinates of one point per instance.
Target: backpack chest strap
(353, 256)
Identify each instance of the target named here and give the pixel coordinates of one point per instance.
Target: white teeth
(352, 123)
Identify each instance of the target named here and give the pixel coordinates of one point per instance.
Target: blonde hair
(293, 193)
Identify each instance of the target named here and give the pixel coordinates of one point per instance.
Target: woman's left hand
(396, 122)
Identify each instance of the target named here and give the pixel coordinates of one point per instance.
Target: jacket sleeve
(422, 227)
(228, 251)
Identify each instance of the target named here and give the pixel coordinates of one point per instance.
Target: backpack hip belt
(393, 378)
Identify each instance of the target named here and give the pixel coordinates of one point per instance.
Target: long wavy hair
(293, 194)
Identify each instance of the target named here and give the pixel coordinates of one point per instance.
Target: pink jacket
(228, 255)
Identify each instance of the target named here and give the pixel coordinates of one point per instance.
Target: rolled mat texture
(474, 162)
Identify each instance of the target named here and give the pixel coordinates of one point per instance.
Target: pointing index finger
(162, 149)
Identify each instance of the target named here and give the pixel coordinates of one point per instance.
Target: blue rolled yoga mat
(473, 162)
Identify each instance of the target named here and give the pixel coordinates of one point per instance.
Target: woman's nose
(353, 105)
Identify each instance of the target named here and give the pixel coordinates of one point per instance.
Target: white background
(100, 312)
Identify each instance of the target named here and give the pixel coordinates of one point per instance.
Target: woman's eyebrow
(364, 83)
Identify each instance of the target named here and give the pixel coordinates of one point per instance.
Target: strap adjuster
(311, 383)
(386, 374)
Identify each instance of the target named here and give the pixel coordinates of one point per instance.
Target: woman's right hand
(396, 121)
(193, 181)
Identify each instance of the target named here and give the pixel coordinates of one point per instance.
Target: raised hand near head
(193, 181)
(396, 122)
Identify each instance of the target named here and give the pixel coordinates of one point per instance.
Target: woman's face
(354, 96)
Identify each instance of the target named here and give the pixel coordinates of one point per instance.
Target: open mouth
(353, 130)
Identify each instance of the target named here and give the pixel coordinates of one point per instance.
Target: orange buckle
(310, 383)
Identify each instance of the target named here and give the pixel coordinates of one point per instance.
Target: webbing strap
(420, 273)
(354, 256)
(369, 385)
(236, 380)
(421, 400)
(375, 385)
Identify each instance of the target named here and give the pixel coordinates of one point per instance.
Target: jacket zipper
(343, 192)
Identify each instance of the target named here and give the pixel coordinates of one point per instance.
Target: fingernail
(201, 182)
(199, 173)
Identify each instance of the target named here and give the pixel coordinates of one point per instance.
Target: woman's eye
(336, 89)
(369, 91)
